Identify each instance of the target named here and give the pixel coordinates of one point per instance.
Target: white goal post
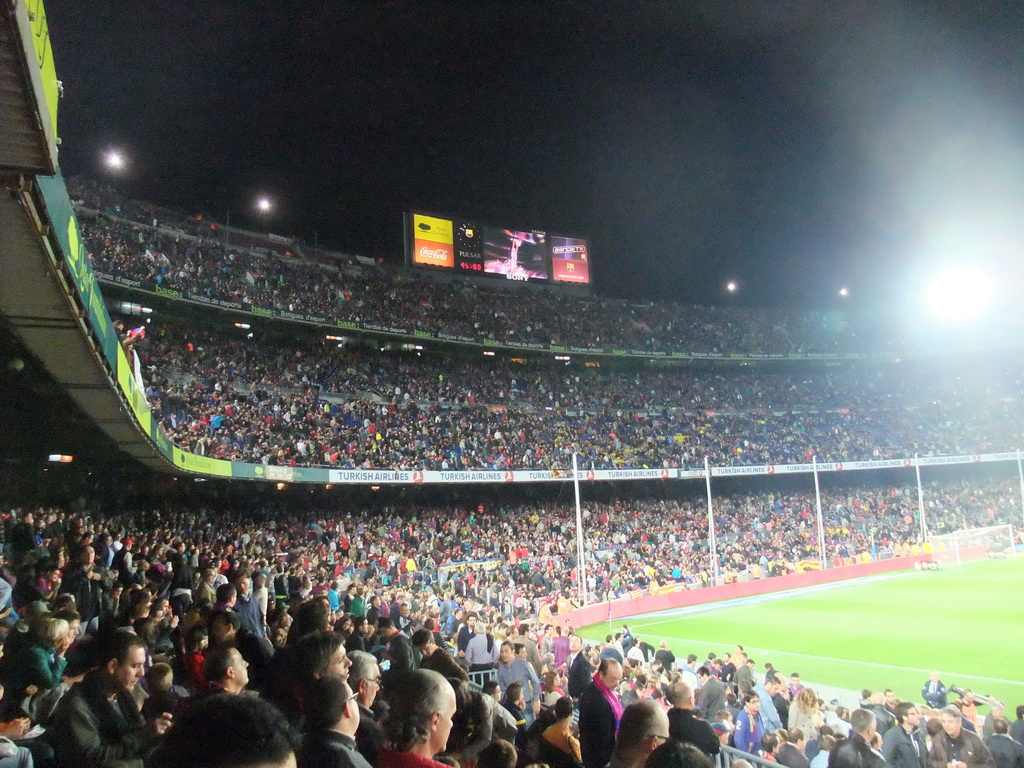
(995, 542)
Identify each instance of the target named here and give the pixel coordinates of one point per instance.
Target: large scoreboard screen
(504, 254)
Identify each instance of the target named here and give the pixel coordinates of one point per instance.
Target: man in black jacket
(903, 745)
(83, 582)
(333, 717)
(683, 723)
(364, 678)
(857, 751)
(98, 723)
(580, 671)
(598, 722)
(1005, 751)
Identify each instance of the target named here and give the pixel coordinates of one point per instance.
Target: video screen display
(495, 252)
(569, 260)
(516, 255)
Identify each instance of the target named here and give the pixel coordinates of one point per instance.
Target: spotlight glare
(959, 294)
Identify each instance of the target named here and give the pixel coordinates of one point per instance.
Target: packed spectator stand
(207, 603)
(136, 243)
(201, 635)
(296, 401)
(282, 400)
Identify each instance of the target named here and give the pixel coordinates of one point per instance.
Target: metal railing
(729, 755)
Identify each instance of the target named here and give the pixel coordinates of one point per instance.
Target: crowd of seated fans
(142, 636)
(283, 400)
(185, 254)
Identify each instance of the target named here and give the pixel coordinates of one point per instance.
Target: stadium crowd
(286, 401)
(188, 254)
(334, 636)
(129, 635)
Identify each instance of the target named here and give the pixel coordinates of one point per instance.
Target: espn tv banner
(433, 241)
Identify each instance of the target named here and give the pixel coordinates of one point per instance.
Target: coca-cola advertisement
(433, 253)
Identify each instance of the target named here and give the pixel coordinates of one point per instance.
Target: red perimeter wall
(618, 609)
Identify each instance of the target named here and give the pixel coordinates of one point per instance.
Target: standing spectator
(225, 671)
(600, 713)
(643, 729)
(934, 691)
(399, 654)
(857, 751)
(712, 694)
(1017, 729)
(332, 716)
(580, 670)
(1005, 751)
(903, 745)
(560, 646)
(481, 651)
(956, 747)
(364, 678)
(665, 656)
(744, 675)
(532, 651)
(791, 754)
(419, 721)
(683, 723)
(804, 712)
(750, 728)
(83, 582)
(689, 672)
(513, 670)
(557, 747)
(769, 714)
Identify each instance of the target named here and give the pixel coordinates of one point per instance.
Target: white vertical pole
(821, 522)
(712, 545)
(1020, 474)
(581, 568)
(920, 502)
(956, 548)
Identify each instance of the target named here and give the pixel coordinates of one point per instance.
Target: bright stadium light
(114, 160)
(844, 292)
(731, 286)
(959, 294)
(263, 205)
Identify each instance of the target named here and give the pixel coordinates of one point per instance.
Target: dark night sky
(794, 146)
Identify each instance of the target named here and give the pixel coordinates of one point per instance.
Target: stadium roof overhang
(27, 114)
(40, 305)
(36, 295)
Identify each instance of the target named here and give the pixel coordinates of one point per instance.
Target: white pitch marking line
(833, 658)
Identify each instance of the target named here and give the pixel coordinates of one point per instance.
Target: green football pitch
(882, 633)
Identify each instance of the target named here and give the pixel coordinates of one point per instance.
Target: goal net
(955, 548)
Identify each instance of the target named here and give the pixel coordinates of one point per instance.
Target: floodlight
(959, 294)
(731, 287)
(263, 204)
